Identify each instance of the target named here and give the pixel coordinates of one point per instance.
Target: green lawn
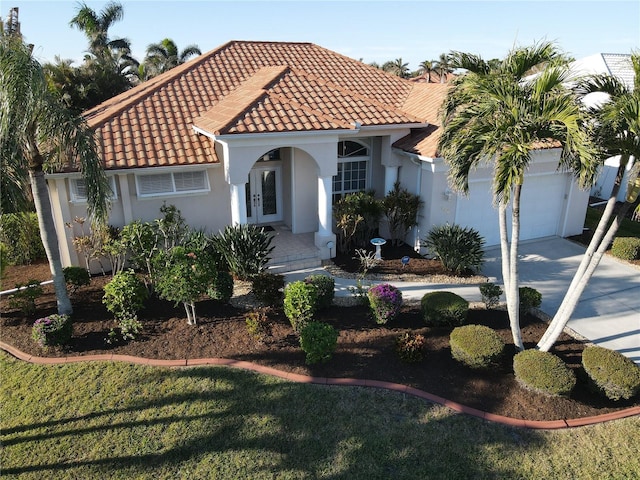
(112, 420)
(628, 228)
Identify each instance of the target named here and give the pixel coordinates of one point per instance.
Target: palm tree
(426, 68)
(443, 67)
(38, 134)
(397, 67)
(501, 116)
(617, 130)
(109, 68)
(165, 55)
(96, 28)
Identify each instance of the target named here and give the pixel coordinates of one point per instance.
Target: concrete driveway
(608, 313)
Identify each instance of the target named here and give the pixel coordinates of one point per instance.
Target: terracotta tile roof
(244, 87)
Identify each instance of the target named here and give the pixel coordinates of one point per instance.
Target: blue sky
(370, 30)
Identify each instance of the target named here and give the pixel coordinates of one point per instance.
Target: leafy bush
(357, 218)
(626, 248)
(410, 347)
(221, 287)
(129, 327)
(76, 277)
(268, 288)
(385, 301)
(20, 234)
(183, 276)
(530, 298)
(476, 346)
(444, 309)
(490, 293)
(300, 303)
(245, 249)
(318, 340)
(326, 286)
(543, 372)
(258, 323)
(401, 209)
(459, 249)
(3, 258)
(25, 298)
(124, 295)
(52, 330)
(611, 373)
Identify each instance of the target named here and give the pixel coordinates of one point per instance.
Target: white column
(238, 204)
(125, 198)
(390, 178)
(325, 209)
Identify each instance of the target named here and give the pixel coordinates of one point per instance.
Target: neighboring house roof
(253, 87)
(617, 64)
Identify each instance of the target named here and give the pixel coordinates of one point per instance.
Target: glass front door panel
(264, 200)
(269, 194)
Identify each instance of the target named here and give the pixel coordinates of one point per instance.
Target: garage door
(541, 211)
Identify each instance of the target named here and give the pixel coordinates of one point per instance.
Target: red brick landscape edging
(295, 377)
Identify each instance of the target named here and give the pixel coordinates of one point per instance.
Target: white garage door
(541, 209)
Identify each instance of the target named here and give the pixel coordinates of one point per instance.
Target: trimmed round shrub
(529, 298)
(385, 301)
(326, 286)
(410, 347)
(52, 330)
(611, 373)
(460, 249)
(444, 309)
(267, 288)
(318, 340)
(626, 248)
(300, 303)
(476, 346)
(543, 372)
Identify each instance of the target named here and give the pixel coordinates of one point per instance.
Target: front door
(264, 199)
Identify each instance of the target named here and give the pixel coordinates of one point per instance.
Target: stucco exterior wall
(304, 187)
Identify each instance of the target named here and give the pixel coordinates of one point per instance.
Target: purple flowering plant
(385, 301)
(52, 330)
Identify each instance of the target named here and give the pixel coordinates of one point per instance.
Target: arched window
(353, 169)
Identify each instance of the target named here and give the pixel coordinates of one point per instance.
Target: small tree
(183, 276)
(401, 208)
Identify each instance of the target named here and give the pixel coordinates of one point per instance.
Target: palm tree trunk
(49, 238)
(504, 245)
(581, 277)
(513, 297)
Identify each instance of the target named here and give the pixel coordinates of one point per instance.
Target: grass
(113, 420)
(628, 228)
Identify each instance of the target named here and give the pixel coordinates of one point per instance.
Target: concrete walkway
(608, 313)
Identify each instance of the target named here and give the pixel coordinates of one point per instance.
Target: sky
(371, 30)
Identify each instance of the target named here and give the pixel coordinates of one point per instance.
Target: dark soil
(365, 350)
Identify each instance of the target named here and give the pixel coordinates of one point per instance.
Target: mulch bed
(365, 350)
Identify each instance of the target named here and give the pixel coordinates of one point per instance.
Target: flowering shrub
(52, 330)
(385, 301)
(409, 346)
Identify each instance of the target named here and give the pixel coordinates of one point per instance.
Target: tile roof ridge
(385, 106)
(237, 102)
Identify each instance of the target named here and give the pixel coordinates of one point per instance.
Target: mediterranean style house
(275, 133)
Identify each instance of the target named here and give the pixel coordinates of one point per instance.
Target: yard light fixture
(633, 189)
